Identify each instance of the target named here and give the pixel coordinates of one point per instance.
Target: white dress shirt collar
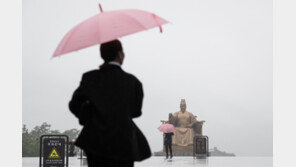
(114, 63)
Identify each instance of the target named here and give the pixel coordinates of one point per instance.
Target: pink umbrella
(107, 26)
(166, 128)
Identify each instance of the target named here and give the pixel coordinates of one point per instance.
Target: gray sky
(215, 54)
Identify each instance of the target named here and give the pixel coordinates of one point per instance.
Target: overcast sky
(217, 54)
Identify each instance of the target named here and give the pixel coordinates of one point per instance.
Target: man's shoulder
(96, 72)
(90, 73)
(132, 77)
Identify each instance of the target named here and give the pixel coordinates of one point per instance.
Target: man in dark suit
(105, 103)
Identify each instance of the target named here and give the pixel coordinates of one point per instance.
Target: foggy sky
(215, 54)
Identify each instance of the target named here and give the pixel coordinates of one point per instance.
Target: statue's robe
(183, 123)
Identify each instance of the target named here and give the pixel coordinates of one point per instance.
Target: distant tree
(31, 140)
(26, 141)
(30, 144)
(55, 132)
(72, 133)
(40, 130)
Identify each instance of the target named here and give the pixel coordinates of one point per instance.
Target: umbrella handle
(155, 18)
(101, 9)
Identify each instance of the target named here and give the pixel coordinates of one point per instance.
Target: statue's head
(183, 105)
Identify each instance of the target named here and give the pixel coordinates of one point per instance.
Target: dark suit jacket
(105, 103)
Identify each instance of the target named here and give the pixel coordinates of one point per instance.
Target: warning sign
(201, 145)
(54, 154)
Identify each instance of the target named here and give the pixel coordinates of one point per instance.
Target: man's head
(112, 51)
(183, 105)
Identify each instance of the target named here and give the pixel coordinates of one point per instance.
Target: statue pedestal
(181, 149)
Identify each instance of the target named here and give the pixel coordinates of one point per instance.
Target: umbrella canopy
(166, 128)
(107, 26)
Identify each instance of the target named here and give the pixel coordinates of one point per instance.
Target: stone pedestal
(181, 149)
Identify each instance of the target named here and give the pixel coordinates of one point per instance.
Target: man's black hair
(109, 50)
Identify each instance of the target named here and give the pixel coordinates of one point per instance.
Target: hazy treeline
(31, 139)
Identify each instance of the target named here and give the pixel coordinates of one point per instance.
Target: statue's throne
(197, 128)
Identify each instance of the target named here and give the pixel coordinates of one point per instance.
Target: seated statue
(186, 126)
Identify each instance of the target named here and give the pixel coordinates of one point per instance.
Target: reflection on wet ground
(177, 162)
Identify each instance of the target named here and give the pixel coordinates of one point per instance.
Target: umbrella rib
(139, 23)
(70, 36)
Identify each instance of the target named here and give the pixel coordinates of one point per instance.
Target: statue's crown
(183, 102)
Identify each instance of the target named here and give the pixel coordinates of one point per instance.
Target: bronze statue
(186, 126)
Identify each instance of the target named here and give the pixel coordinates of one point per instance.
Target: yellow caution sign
(54, 154)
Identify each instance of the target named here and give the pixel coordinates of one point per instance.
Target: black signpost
(53, 151)
(201, 146)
